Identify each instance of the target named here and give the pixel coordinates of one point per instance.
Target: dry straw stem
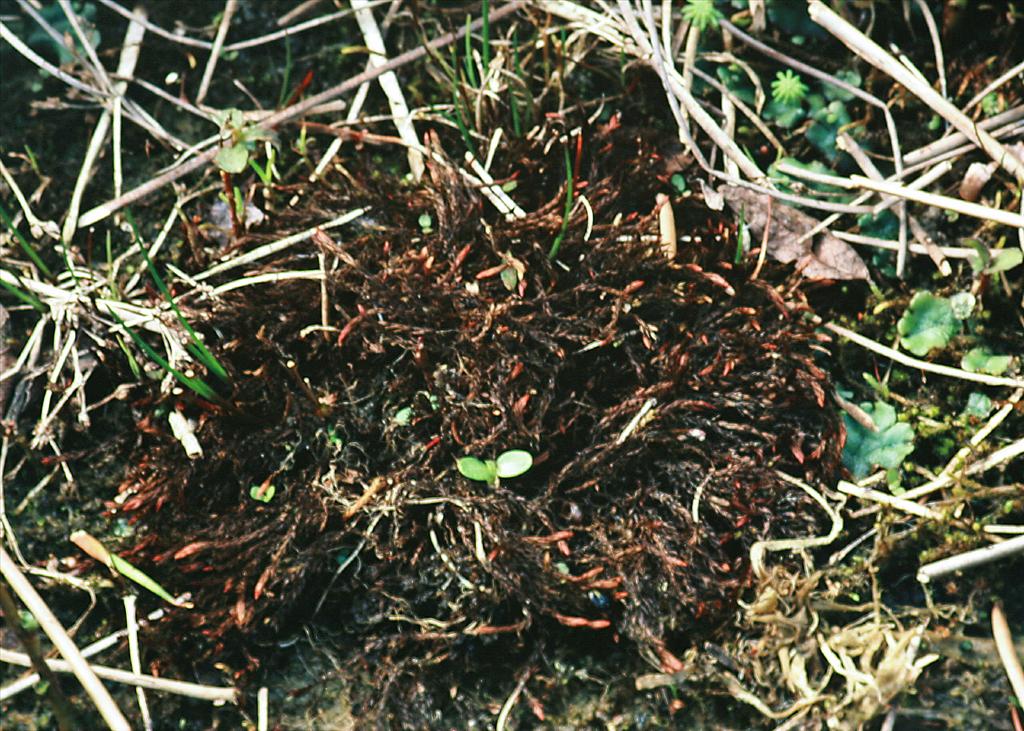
(758, 550)
(389, 84)
(907, 506)
(100, 645)
(1006, 218)
(877, 57)
(1007, 652)
(971, 559)
(923, 365)
(286, 115)
(125, 68)
(998, 457)
(218, 43)
(212, 693)
(956, 139)
(131, 621)
(55, 631)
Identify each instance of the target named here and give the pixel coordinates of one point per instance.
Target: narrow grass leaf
(23, 242)
(198, 385)
(25, 296)
(196, 347)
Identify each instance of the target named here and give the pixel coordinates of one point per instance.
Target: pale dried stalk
(218, 43)
(954, 140)
(389, 84)
(970, 559)
(899, 503)
(879, 58)
(286, 115)
(1007, 652)
(55, 631)
(998, 457)
(280, 245)
(212, 693)
(132, 624)
(125, 68)
(923, 365)
(1006, 218)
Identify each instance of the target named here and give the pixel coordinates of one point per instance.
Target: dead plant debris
(657, 398)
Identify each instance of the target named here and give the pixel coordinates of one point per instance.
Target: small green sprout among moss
(702, 13)
(509, 464)
(788, 88)
(262, 493)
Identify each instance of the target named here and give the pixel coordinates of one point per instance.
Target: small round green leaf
(514, 463)
(232, 159)
(982, 360)
(474, 469)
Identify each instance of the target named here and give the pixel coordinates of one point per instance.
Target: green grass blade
(568, 205)
(23, 242)
(200, 351)
(25, 296)
(470, 71)
(198, 385)
(485, 12)
(141, 578)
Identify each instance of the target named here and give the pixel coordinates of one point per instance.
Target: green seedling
(233, 156)
(262, 493)
(983, 360)
(197, 385)
(788, 88)
(984, 263)
(24, 295)
(509, 464)
(702, 13)
(569, 179)
(23, 242)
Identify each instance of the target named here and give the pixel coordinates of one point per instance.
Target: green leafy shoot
(927, 324)
(512, 463)
(886, 448)
(232, 159)
(23, 242)
(702, 13)
(788, 88)
(568, 205)
(984, 263)
(196, 346)
(198, 385)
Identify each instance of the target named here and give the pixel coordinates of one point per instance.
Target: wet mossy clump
(659, 399)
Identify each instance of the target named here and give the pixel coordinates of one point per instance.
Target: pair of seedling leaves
(509, 464)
